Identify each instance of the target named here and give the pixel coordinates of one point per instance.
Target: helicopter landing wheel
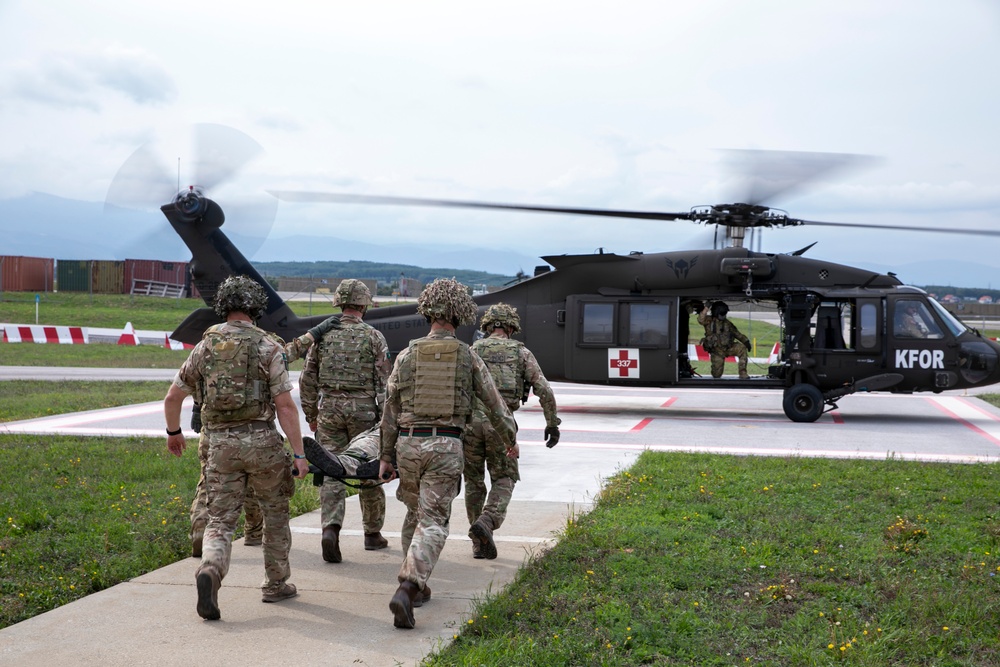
(803, 403)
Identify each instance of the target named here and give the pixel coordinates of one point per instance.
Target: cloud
(82, 80)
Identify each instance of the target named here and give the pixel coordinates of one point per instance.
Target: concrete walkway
(340, 617)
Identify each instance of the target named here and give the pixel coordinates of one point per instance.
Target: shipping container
(107, 276)
(73, 275)
(153, 276)
(26, 274)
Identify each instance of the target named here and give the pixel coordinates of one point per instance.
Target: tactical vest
(718, 336)
(503, 358)
(436, 380)
(232, 387)
(347, 359)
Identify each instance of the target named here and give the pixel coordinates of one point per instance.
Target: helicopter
(612, 319)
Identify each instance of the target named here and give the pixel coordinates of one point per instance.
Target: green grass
(78, 515)
(691, 559)
(97, 310)
(28, 399)
(114, 310)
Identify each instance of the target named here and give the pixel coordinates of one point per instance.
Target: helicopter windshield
(953, 324)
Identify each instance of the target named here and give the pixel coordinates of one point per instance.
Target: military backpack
(503, 357)
(232, 385)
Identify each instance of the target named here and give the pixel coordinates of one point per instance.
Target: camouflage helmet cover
(447, 299)
(501, 315)
(352, 292)
(240, 293)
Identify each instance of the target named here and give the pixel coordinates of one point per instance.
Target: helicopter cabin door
(621, 339)
(847, 343)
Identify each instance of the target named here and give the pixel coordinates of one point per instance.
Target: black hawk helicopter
(613, 319)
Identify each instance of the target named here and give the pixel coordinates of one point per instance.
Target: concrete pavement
(340, 617)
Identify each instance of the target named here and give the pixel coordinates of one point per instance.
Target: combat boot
(285, 592)
(317, 455)
(253, 539)
(330, 543)
(402, 605)
(197, 536)
(744, 375)
(477, 547)
(375, 541)
(481, 531)
(368, 470)
(208, 582)
(423, 596)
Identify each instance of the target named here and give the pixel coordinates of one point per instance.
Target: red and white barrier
(128, 336)
(44, 334)
(698, 353)
(775, 354)
(172, 344)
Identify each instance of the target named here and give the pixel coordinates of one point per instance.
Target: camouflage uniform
(429, 402)
(364, 447)
(484, 449)
(357, 350)
(253, 521)
(430, 466)
(243, 452)
(722, 339)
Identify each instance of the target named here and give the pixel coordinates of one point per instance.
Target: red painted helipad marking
(959, 409)
(642, 424)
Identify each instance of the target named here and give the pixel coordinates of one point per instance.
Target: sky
(626, 105)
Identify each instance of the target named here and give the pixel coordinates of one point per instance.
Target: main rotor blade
(768, 174)
(316, 197)
(907, 228)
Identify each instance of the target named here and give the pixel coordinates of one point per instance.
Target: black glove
(332, 322)
(196, 418)
(551, 436)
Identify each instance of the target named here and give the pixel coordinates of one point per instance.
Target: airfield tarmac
(341, 615)
(951, 426)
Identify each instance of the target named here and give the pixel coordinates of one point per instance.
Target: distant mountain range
(43, 225)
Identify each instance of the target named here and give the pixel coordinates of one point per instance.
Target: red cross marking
(623, 363)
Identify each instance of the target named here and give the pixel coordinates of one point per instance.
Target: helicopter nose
(979, 361)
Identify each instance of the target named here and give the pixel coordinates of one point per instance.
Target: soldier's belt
(242, 428)
(431, 431)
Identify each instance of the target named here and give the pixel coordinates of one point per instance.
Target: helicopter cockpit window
(913, 320)
(598, 323)
(648, 324)
(949, 320)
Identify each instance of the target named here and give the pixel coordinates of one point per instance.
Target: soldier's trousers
(430, 470)
(484, 450)
(243, 459)
(253, 520)
(738, 350)
(335, 429)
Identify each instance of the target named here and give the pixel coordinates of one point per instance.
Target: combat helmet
(447, 299)
(500, 315)
(240, 293)
(719, 309)
(352, 292)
